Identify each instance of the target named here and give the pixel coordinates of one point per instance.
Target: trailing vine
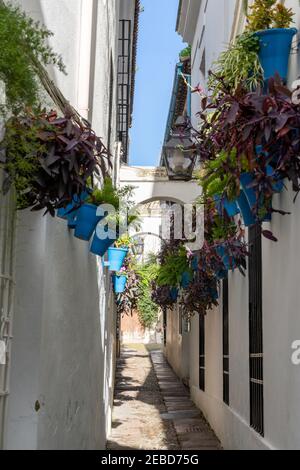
(23, 46)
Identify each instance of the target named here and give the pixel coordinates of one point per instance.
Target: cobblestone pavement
(152, 409)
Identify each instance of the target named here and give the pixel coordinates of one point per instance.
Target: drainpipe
(84, 57)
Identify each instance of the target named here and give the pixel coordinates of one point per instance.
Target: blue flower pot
(119, 283)
(279, 185)
(99, 247)
(64, 212)
(87, 220)
(229, 266)
(245, 210)
(214, 294)
(186, 279)
(194, 264)
(246, 180)
(222, 274)
(116, 257)
(174, 294)
(275, 48)
(72, 219)
(231, 207)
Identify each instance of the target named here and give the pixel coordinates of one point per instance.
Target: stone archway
(153, 184)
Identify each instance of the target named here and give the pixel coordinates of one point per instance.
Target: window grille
(180, 319)
(202, 352)
(225, 343)
(110, 105)
(123, 97)
(165, 325)
(256, 331)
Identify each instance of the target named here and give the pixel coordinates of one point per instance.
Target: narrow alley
(149, 228)
(152, 409)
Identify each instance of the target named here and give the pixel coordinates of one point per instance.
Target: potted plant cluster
(137, 292)
(118, 214)
(270, 21)
(47, 157)
(88, 218)
(261, 129)
(260, 52)
(185, 54)
(25, 47)
(49, 160)
(248, 145)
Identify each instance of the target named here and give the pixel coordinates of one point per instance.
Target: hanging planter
(174, 294)
(222, 274)
(245, 210)
(229, 262)
(275, 48)
(119, 283)
(87, 220)
(231, 207)
(63, 212)
(251, 189)
(72, 220)
(99, 247)
(116, 257)
(194, 264)
(186, 279)
(49, 160)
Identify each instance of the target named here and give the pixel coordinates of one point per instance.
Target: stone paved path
(152, 409)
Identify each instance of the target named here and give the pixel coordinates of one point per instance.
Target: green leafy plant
(49, 159)
(282, 16)
(23, 46)
(127, 301)
(125, 241)
(221, 176)
(266, 14)
(222, 229)
(171, 270)
(108, 194)
(121, 199)
(260, 15)
(186, 52)
(238, 66)
(147, 309)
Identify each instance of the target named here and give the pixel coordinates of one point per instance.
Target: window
(180, 319)
(123, 105)
(110, 105)
(165, 325)
(203, 67)
(256, 331)
(225, 343)
(202, 352)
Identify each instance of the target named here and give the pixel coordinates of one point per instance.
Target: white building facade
(56, 388)
(214, 354)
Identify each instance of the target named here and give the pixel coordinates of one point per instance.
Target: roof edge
(178, 15)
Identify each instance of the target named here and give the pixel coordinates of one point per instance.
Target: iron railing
(225, 342)
(202, 352)
(123, 95)
(256, 331)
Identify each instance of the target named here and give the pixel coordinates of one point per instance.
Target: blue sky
(158, 49)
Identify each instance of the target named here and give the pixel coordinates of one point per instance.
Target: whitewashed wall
(281, 300)
(64, 330)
